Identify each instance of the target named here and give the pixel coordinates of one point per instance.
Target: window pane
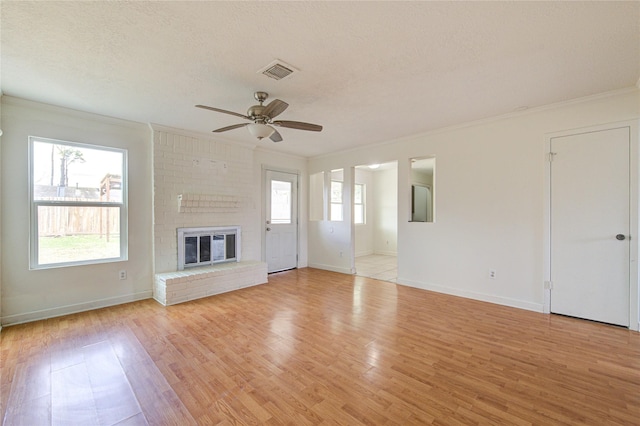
(218, 247)
(191, 250)
(205, 248)
(231, 246)
(336, 211)
(358, 212)
(76, 234)
(280, 202)
(76, 173)
(357, 194)
(336, 191)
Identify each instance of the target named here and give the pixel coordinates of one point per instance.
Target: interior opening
(375, 217)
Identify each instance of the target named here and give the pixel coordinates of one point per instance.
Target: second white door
(281, 225)
(590, 241)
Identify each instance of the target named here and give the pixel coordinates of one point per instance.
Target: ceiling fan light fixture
(260, 130)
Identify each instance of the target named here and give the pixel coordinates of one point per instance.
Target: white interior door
(590, 225)
(281, 227)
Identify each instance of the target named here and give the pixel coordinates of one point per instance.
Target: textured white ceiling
(369, 71)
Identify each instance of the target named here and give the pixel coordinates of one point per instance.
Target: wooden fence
(65, 220)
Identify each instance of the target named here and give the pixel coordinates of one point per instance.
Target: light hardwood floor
(316, 347)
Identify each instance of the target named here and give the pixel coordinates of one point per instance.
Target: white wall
(0, 214)
(490, 200)
(385, 199)
(364, 232)
(29, 295)
(330, 242)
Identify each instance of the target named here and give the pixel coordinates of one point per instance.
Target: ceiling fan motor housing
(255, 111)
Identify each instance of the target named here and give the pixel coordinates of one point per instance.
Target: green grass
(77, 248)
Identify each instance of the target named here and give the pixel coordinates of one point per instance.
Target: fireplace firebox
(208, 246)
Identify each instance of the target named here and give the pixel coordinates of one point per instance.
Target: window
(358, 203)
(78, 204)
(280, 202)
(336, 200)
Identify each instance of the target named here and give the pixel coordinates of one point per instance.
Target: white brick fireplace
(199, 181)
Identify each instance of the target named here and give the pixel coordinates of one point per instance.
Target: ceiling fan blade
(275, 108)
(275, 136)
(298, 125)
(224, 111)
(235, 126)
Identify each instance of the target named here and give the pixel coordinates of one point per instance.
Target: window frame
(363, 188)
(34, 204)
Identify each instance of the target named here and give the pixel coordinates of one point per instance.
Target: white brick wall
(201, 168)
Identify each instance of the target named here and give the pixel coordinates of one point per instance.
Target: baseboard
(73, 309)
(386, 253)
(363, 253)
(331, 268)
(505, 301)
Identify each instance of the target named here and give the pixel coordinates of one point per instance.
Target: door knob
(620, 237)
(269, 229)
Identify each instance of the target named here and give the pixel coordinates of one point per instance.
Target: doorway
(590, 225)
(376, 221)
(281, 220)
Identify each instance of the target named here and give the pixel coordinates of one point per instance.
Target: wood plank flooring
(316, 347)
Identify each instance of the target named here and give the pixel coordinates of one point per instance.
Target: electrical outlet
(340, 254)
(492, 274)
(123, 275)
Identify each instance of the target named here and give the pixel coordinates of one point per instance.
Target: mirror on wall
(422, 179)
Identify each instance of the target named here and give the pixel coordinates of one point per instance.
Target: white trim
(386, 252)
(331, 268)
(504, 301)
(74, 309)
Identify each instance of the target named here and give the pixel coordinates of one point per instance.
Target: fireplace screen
(206, 246)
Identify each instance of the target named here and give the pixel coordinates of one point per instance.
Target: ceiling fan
(262, 117)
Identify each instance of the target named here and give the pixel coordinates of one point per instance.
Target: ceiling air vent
(278, 70)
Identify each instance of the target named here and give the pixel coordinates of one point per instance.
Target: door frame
(263, 209)
(634, 272)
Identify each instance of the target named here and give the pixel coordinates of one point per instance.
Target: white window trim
(34, 204)
(362, 203)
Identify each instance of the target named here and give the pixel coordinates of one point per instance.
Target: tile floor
(378, 266)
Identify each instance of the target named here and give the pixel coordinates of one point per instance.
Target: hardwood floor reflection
(314, 347)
